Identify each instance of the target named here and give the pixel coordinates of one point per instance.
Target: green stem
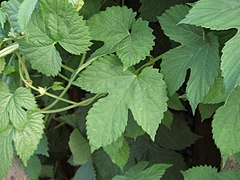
(82, 103)
(8, 50)
(73, 77)
(149, 63)
(63, 77)
(29, 84)
(67, 68)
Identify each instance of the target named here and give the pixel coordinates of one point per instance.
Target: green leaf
(133, 130)
(42, 148)
(2, 17)
(2, 65)
(145, 95)
(6, 150)
(118, 152)
(209, 173)
(27, 140)
(230, 63)
(79, 148)
(175, 103)
(86, 171)
(150, 9)
(208, 110)
(154, 172)
(216, 94)
(185, 34)
(13, 107)
(33, 169)
(178, 137)
(201, 53)
(105, 168)
(60, 24)
(90, 8)
(168, 119)
(11, 9)
(192, 57)
(25, 11)
(57, 86)
(212, 14)
(226, 125)
(116, 27)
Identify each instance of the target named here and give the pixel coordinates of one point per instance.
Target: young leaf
(25, 12)
(13, 107)
(119, 152)
(60, 24)
(226, 125)
(79, 148)
(6, 150)
(27, 139)
(145, 95)
(116, 27)
(217, 14)
(202, 53)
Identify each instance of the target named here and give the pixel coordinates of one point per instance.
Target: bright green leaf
(119, 152)
(226, 125)
(79, 148)
(116, 27)
(209, 173)
(25, 11)
(12, 108)
(57, 86)
(217, 14)
(60, 24)
(231, 63)
(27, 140)
(145, 95)
(6, 150)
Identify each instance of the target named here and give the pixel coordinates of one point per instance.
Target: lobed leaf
(59, 24)
(116, 27)
(145, 95)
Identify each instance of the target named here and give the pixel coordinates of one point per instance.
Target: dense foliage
(93, 89)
